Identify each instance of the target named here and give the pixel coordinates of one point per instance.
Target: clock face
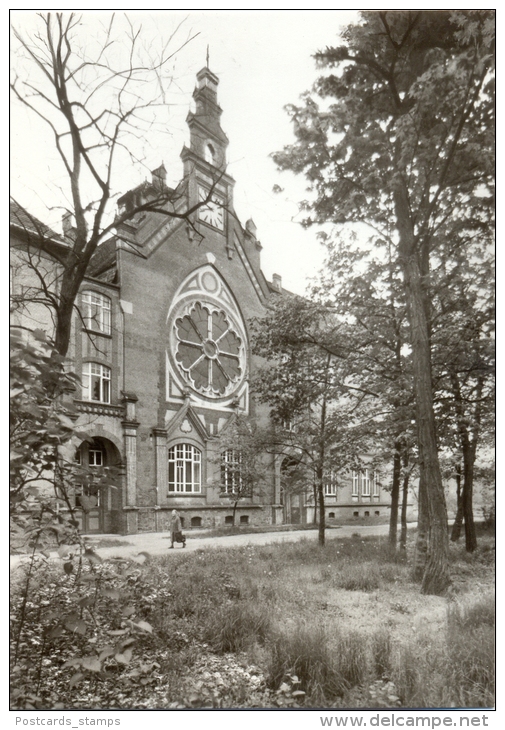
(212, 212)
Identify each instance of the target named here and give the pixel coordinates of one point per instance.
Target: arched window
(210, 154)
(231, 471)
(184, 469)
(95, 382)
(96, 310)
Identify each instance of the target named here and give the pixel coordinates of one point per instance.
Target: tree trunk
(458, 522)
(321, 459)
(423, 531)
(405, 497)
(234, 512)
(320, 494)
(395, 496)
(469, 449)
(314, 492)
(73, 274)
(467, 499)
(436, 577)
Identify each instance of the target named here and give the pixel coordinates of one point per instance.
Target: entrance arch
(97, 491)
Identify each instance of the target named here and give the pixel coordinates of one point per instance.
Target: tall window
(95, 382)
(231, 471)
(365, 484)
(184, 469)
(330, 485)
(355, 483)
(96, 312)
(210, 154)
(367, 480)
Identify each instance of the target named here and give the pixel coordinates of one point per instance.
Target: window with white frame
(376, 484)
(231, 471)
(96, 309)
(95, 382)
(184, 469)
(355, 483)
(330, 485)
(92, 456)
(365, 483)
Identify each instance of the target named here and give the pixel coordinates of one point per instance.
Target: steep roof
(103, 259)
(29, 225)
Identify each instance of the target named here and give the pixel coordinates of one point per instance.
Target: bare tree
(99, 97)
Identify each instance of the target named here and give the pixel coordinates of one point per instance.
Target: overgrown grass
(458, 672)
(291, 612)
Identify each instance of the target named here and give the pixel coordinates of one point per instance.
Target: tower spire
(208, 56)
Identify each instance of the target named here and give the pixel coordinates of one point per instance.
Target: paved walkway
(158, 543)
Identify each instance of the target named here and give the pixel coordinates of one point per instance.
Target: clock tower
(205, 159)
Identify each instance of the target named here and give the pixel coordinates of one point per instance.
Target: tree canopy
(398, 135)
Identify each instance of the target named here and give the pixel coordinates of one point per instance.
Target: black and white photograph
(252, 367)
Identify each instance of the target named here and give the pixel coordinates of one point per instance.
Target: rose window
(208, 349)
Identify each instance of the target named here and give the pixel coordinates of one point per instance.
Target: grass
(458, 672)
(279, 625)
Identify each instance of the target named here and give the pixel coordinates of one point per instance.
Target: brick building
(162, 346)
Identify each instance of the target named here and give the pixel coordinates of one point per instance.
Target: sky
(264, 61)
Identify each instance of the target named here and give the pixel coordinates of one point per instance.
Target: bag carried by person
(179, 537)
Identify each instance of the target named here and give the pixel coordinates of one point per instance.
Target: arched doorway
(292, 490)
(97, 491)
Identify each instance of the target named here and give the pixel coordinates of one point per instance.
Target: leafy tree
(463, 360)
(315, 404)
(363, 287)
(241, 461)
(402, 141)
(98, 92)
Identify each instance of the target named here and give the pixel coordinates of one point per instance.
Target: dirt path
(157, 543)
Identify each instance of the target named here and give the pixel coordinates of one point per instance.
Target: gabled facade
(162, 347)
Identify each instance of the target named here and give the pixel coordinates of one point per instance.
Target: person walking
(175, 526)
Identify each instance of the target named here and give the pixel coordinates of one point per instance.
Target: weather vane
(207, 56)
